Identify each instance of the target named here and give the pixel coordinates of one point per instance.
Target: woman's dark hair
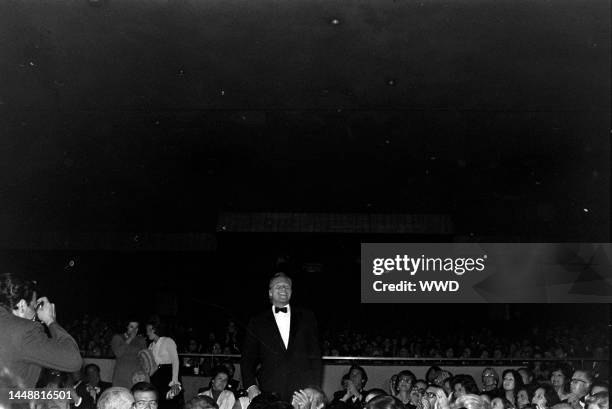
(405, 373)
(217, 370)
(14, 289)
(432, 373)
(567, 374)
(518, 382)
(467, 381)
(551, 396)
(144, 387)
(158, 326)
(528, 390)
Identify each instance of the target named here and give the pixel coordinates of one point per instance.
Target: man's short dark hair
(364, 375)
(14, 289)
(92, 365)
(219, 369)
(467, 381)
(599, 384)
(144, 387)
(588, 374)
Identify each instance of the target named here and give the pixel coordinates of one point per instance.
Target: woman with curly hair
(511, 384)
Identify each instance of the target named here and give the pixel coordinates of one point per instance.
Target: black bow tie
(277, 310)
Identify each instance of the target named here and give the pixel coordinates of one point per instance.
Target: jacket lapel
(278, 339)
(294, 325)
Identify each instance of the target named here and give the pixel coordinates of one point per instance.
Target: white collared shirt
(283, 321)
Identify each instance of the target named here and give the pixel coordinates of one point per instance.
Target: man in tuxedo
(284, 341)
(91, 388)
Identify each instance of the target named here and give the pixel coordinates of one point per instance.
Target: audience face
(230, 368)
(497, 403)
(579, 385)
(145, 400)
(508, 382)
(26, 309)
(459, 390)
(93, 376)
(150, 332)
(357, 378)
(489, 378)
(193, 346)
(522, 398)
(557, 379)
(280, 291)
(219, 382)
(132, 328)
(404, 383)
(539, 398)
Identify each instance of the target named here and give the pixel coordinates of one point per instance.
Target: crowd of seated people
(485, 343)
(514, 389)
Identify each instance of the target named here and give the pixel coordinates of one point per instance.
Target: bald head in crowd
(115, 398)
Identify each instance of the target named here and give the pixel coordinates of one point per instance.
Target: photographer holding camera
(24, 346)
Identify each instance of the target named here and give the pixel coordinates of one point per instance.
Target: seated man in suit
(354, 395)
(91, 388)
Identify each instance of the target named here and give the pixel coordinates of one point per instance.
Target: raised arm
(59, 352)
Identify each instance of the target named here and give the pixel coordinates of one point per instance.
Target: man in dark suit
(91, 388)
(24, 346)
(284, 341)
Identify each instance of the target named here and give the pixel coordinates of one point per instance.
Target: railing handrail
(386, 358)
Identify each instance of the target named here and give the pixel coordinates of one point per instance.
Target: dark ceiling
(154, 116)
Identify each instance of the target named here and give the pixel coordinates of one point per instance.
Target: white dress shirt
(283, 322)
(164, 351)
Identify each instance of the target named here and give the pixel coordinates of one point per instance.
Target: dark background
(125, 119)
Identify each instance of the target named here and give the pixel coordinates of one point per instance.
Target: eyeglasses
(431, 395)
(578, 380)
(143, 404)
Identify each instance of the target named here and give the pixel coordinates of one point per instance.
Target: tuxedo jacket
(283, 370)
